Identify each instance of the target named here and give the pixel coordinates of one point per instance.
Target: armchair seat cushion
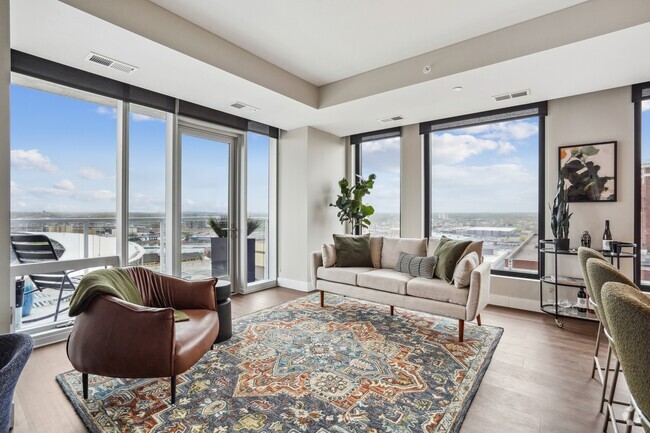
(386, 280)
(341, 275)
(437, 290)
(194, 338)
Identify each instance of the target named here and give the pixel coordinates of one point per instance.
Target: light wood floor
(538, 381)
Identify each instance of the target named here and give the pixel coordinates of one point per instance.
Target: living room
(141, 138)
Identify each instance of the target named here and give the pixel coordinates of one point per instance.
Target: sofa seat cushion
(341, 275)
(385, 280)
(437, 290)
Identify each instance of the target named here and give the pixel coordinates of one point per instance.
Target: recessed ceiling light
(457, 89)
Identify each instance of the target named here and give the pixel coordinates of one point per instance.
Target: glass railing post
(85, 240)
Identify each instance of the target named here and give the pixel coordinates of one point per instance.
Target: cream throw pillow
(464, 268)
(329, 255)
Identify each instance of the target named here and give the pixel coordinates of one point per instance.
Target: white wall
(311, 162)
(5, 176)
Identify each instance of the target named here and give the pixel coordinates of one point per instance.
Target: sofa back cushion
(393, 246)
(352, 250)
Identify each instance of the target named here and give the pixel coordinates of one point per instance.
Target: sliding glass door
(208, 222)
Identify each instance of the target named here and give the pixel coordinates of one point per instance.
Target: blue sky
(382, 157)
(64, 160)
(486, 168)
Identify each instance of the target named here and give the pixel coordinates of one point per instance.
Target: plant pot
(219, 257)
(561, 244)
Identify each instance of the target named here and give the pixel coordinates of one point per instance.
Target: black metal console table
(620, 250)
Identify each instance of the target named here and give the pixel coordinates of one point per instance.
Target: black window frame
(357, 141)
(640, 93)
(538, 110)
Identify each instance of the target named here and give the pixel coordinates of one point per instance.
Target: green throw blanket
(115, 282)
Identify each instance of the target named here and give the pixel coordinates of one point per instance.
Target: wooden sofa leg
(478, 319)
(173, 391)
(392, 310)
(322, 298)
(461, 330)
(84, 383)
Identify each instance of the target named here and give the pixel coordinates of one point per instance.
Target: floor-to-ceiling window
(643, 208)
(379, 154)
(484, 184)
(147, 150)
(63, 176)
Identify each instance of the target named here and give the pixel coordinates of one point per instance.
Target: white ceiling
(322, 41)
(56, 31)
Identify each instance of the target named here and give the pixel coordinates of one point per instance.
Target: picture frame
(589, 171)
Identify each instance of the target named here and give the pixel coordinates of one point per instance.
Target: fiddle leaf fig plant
(560, 215)
(350, 202)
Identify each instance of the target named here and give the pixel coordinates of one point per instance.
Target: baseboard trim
(302, 286)
(516, 303)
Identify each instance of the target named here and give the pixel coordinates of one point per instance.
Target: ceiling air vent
(392, 119)
(512, 95)
(111, 63)
(243, 106)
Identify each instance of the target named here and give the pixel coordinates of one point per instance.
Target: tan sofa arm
(316, 262)
(479, 291)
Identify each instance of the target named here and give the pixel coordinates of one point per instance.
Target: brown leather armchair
(115, 338)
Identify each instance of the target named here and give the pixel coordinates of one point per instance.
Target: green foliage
(560, 215)
(220, 226)
(582, 174)
(350, 202)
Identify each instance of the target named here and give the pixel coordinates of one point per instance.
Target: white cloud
(452, 149)
(645, 105)
(91, 173)
(385, 145)
(31, 159)
(101, 194)
(49, 192)
(106, 111)
(15, 189)
(188, 202)
(505, 148)
(510, 130)
(65, 185)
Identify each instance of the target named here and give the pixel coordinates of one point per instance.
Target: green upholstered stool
(585, 254)
(599, 273)
(628, 314)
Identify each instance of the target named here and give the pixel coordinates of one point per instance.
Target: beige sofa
(384, 285)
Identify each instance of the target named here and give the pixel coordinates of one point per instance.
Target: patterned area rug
(297, 367)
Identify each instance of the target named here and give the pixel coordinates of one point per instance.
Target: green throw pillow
(448, 253)
(352, 250)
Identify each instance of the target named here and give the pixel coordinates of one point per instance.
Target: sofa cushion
(376, 243)
(386, 280)
(341, 275)
(393, 246)
(464, 268)
(437, 290)
(416, 266)
(329, 255)
(352, 250)
(449, 253)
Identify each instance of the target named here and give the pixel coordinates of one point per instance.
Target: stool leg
(612, 390)
(609, 360)
(597, 349)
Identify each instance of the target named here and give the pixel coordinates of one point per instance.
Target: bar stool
(628, 317)
(585, 254)
(601, 272)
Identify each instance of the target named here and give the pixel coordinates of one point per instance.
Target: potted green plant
(560, 215)
(219, 246)
(350, 202)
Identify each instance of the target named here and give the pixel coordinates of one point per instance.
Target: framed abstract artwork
(589, 171)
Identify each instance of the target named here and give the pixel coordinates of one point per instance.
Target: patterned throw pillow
(416, 266)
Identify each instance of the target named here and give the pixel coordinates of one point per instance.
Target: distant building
(488, 232)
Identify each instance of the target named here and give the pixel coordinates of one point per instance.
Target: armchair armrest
(119, 339)
(479, 291)
(316, 262)
(164, 291)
